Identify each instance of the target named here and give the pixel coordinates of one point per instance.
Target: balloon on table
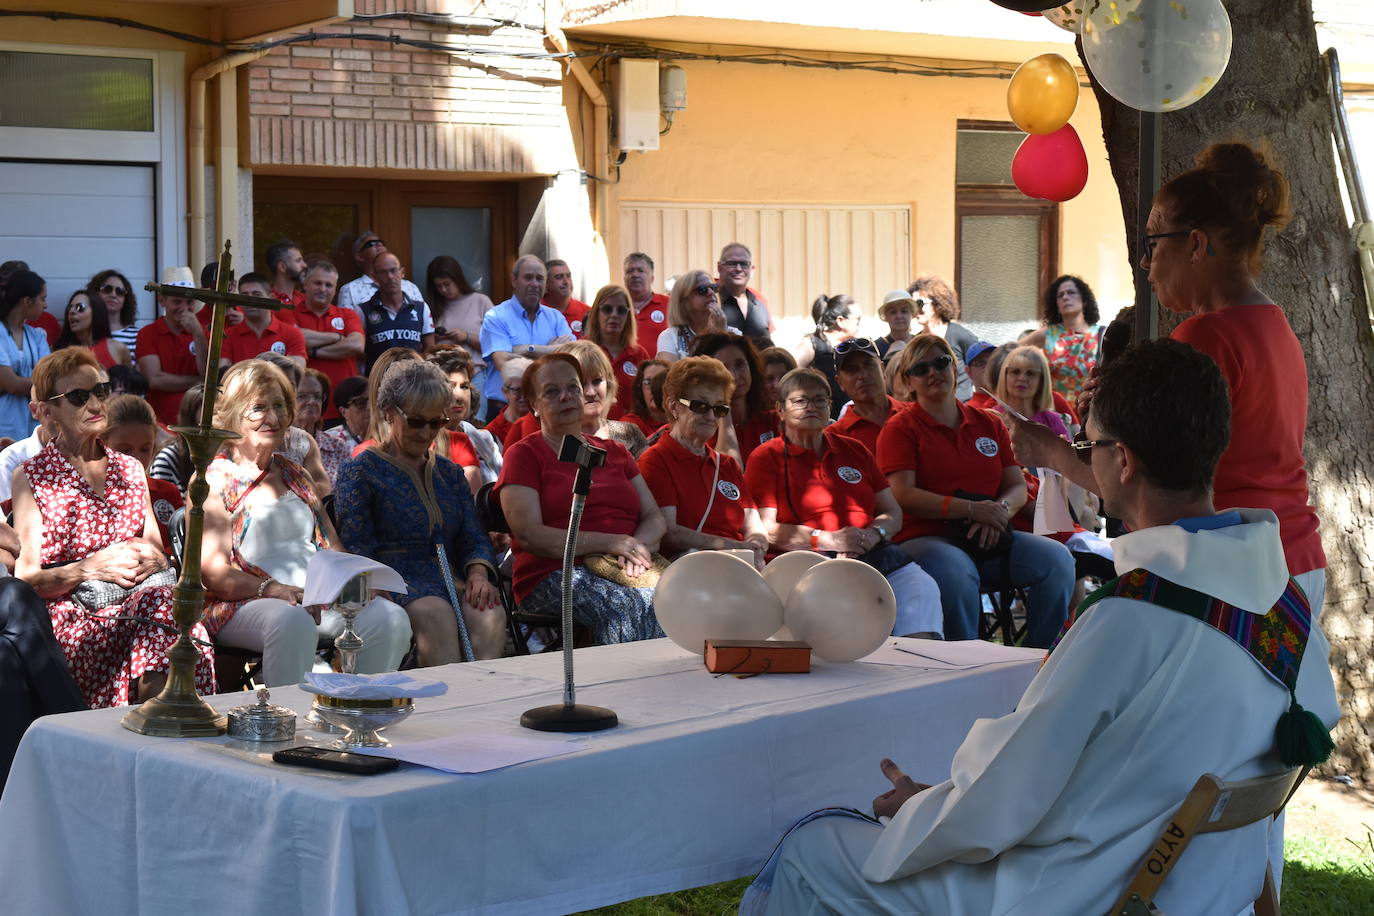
(712, 595)
(783, 571)
(1161, 55)
(843, 608)
(1043, 94)
(1051, 166)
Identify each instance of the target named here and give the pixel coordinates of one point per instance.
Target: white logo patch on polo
(986, 445)
(628, 368)
(728, 490)
(850, 475)
(656, 316)
(279, 347)
(336, 323)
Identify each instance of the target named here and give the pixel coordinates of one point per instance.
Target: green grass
(1321, 878)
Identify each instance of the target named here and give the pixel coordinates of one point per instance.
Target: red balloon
(1051, 166)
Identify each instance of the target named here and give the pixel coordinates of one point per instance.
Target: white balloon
(843, 608)
(783, 571)
(712, 595)
(1158, 55)
(1068, 17)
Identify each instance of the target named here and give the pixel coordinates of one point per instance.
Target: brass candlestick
(178, 711)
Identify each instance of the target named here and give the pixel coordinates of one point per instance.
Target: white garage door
(72, 220)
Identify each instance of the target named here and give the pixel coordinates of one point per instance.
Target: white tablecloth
(695, 786)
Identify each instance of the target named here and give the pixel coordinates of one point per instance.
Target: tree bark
(1274, 93)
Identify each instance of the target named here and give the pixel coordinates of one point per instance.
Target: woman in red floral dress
(83, 514)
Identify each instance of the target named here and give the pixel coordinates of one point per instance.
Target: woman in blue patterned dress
(398, 501)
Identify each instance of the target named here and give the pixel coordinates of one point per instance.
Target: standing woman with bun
(837, 320)
(1202, 248)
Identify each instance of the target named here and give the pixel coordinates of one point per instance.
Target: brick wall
(358, 103)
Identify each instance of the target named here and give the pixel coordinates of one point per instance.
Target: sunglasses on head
(706, 288)
(373, 243)
(702, 408)
(420, 423)
(78, 397)
(856, 343)
(939, 364)
(110, 288)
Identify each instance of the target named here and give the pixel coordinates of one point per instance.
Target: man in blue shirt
(520, 326)
(391, 318)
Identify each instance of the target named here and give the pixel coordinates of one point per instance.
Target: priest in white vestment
(1051, 809)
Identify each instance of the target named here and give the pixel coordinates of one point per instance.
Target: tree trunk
(1275, 92)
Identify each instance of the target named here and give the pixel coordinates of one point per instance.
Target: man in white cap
(1198, 658)
(172, 350)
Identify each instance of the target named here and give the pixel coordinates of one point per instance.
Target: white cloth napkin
(329, 570)
(394, 685)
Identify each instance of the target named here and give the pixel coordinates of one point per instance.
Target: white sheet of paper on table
(477, 752)
(329, 570)
(951, 655)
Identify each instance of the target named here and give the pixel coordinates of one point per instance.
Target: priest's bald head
(1160, 420)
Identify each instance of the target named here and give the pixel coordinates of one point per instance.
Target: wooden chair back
(1211, 806)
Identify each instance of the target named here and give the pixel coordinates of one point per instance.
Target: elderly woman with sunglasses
(620, 521)
(611, 328)
(693, 310)
(818, 490)
(406, 506)
(954, 475)
(84, 520)
(113, 292)
(85, 326)
(700, 492)
(263, 523)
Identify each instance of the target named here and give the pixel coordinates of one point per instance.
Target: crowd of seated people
(712, 444)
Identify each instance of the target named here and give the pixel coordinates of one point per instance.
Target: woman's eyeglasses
(939, 364)
(819, 402)
(78, 397)
(1083, 448)
(615, 310)
(309, 398)
(355, 403)
(706, 289)
(437, 423)
(110, 289)
(702, 408)
(258, 411)
(1151, 239)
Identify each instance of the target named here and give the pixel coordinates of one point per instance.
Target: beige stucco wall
(772, 133)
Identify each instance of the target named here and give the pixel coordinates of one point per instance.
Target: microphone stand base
(575, 718)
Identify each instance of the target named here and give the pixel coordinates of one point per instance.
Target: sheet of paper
(477, 752)
(329, 570)
(958, 654)
(1051, 506)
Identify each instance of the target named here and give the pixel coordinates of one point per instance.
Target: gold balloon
(1043, 94)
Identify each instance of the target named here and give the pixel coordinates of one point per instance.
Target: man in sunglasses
(558, 294)
(520, 326)
(367, 248)
(172, 350)
(1170, 671)
(859, 370)
(744, 307)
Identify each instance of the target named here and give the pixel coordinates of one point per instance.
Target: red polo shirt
(970, 458)
(830, 491)
(242, 342)
(499, 427)
(575, 314)
(865, 430)
(652, 320)
(612, 507)
(460, 450)
(176, 354)
(334, 320)
(166, 499)
(521, 428)
(626, 367)
(296, 300)
(682, 480)
(759, 429)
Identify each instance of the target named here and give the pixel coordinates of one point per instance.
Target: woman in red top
(1203, 243)
(940, 455)
(610, 327)
(85, 325)
(647, 412)
(752, 422)
(701, 492)
(620, 519)
(819, 490)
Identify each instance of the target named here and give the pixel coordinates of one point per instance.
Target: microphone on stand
(569, 716)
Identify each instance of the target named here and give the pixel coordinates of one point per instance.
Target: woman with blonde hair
(693, 310)
(600, 396)
(263, 523)
(1023, 384)
(611, 327)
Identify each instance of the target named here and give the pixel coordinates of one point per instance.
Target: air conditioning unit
(637, 104)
